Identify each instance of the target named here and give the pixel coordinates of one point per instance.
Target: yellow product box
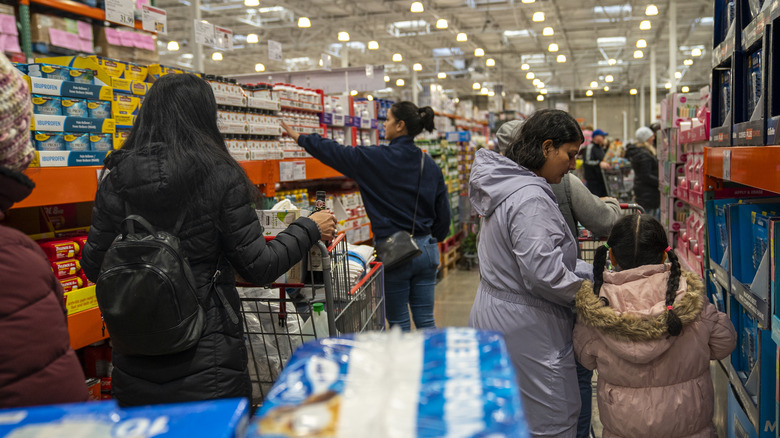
(125, 105)
(124, 121)
(79, 300)
(129, 86)
(120, 136)
(114, 69)
(136, 72)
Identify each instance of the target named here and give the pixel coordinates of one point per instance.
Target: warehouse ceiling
(598, 40)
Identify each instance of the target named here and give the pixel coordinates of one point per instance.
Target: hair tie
(606, 245)
(668, 307)
(668, 248)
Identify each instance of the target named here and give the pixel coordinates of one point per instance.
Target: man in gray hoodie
(577, 204)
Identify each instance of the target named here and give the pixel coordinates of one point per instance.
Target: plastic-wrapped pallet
(456, 382)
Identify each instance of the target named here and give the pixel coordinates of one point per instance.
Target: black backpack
(146, 291)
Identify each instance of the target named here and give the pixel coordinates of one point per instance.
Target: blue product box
(458, 136)
(47, 71)
(76, 141)
(47, 105)
(715, 291)
(718, 236)
(454, 382)
(49, 141)
(774, 278)
(101, 142)
(74, 107)
(739, 426)
(99, 109)
(225, 418)
(21, 67)
(81, 76)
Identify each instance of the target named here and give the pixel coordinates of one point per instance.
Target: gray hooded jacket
(530, 275)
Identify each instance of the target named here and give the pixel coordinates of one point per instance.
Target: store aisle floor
(454, 297)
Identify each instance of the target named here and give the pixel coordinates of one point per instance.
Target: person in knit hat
(39, 367)
(644, 161)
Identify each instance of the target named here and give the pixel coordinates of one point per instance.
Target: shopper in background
(594, 163)
(529, 267)
(576, 204)
(389, 178)
(174, 159)
(651, 333)
(38, 365)
(645, 164)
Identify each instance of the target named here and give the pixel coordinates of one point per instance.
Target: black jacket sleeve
(645, 169)
(107, 212)
(245, 247)
(441, 223)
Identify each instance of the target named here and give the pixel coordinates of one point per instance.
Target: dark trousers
(584, 378)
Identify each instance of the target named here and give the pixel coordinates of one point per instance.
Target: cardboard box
(79, 300)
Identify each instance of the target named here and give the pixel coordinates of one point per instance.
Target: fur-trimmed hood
(634, 324)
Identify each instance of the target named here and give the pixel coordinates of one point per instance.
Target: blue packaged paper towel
(215, 419)
(455, 382)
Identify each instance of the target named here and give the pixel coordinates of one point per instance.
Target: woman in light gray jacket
(529, 267)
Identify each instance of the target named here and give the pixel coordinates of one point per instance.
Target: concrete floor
(454, 296)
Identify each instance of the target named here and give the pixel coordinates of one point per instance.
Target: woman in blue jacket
(388, 179)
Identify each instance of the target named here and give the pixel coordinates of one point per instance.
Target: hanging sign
(274, 50)
(155, 20)
(204, 33)
(370, 71)
(224, 38)
(120, 12)
(325, 61)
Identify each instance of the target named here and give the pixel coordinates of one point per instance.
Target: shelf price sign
(274, 50)
(292, 170)
(120, 12)
(155, 20)
(224, 38)
(204, 33)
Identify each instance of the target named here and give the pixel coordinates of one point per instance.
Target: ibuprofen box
(215, 419)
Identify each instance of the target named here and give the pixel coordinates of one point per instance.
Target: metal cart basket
(619, 181)
(279, 319)
(589, 243)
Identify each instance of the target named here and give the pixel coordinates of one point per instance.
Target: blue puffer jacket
(530, 275)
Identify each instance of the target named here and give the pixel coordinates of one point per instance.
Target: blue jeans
(412, 285)
(584, 378)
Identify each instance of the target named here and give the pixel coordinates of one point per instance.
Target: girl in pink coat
(651, 332)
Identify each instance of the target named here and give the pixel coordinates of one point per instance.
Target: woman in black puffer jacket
(174, 159)
(645, 164)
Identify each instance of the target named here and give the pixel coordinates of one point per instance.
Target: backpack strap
(225, 303)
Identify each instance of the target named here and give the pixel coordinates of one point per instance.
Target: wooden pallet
(449, 260)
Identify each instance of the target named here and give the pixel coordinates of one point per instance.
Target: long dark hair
(558, 126)
(416, 119)
(180, 112)
(635, 241)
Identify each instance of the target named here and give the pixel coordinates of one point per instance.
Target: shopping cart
(619, 181)
(589, 242)
(278, 319)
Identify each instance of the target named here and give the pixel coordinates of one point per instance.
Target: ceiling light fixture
(688, 62)
(645, 25)
(641, 44)
(490, 62)
(525, 67)
(538, 17)
(387, 78)
(678, 75)
(685, 89)
(343, 36)
(259, 68)
(540, 84)
(553, 47)
(528, 2)
(548, 31)
(476, 86)
(417, 7)
(612, 61)
(304, 22)
(606, 88)
(589, 93)
(543, 91)
(442, 75)
(479, 52)
(397, 57)
(491, 93)
(540, 98)
(251, 3)
(216, 56)
(370, 97)
(668, 85)
(400, 82)
(639, 54)
(696, 52)
(594, 84)
(462, 38)
(173, 46)
(353, 93)
(417, 67)
(252, 38)
(561, 58)
(373, 45)
(484, 91)
(536, 81)
(651, 10)
(441, 23)
(632, 91)
(609, 78)
(530, 75)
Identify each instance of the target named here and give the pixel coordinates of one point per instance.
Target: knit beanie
(643, 134)
(506, 133)
(16, 151)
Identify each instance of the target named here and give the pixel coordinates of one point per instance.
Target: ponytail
(673, 323)
(416, 119)
(599, 263)
(426, 118)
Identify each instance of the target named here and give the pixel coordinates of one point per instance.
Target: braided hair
(635, 241)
